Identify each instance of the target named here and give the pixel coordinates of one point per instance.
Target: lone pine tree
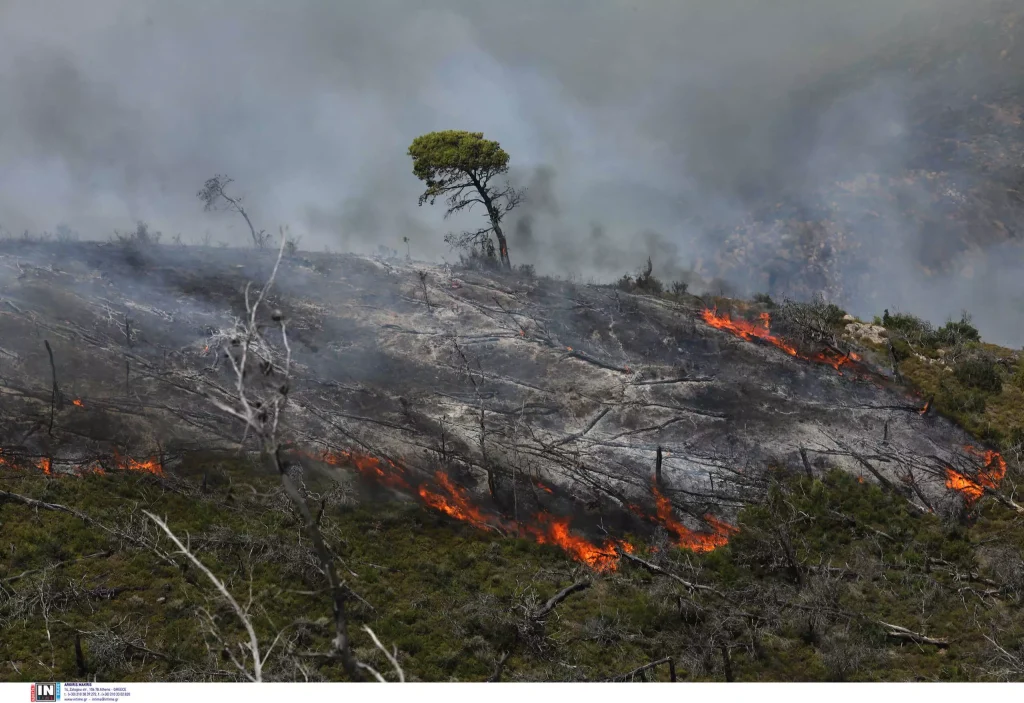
(460, 167)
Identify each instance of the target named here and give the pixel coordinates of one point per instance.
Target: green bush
(956, 398)
(644, 282)
(910, 327)
(954, 333)
(980, 372)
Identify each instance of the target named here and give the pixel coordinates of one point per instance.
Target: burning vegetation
(48, 465)
(989, 476)
(443, 495)
(761, 330)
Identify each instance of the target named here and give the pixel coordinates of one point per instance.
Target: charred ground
(811, 514)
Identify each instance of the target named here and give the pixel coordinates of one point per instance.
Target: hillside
(745, 491)
(911, 187)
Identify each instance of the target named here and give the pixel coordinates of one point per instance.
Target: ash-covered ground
(507, 382)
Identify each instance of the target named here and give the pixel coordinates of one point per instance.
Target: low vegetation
(828, 578)
(824, 582)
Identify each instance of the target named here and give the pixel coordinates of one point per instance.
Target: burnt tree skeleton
(261, 416)
(213, 191)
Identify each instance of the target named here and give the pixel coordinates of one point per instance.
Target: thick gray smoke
(659, 128)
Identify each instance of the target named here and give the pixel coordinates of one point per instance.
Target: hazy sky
(645, 113)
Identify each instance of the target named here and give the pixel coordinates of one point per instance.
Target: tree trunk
(495, 216)
(502, 246)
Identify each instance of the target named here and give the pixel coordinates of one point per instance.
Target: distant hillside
(919, 208)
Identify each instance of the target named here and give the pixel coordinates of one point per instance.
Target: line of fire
(441, 493)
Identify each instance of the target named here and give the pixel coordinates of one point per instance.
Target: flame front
(685, 537)
(762, 330)
(456, 503)
(445, 496)
(385, 472)
(989, 476)
(748, 330)
(555, 530)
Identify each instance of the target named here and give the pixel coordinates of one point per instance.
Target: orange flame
(444, 496)
(762, 330)
(748, 330)
(988, 477)
(456, 504)
(924, 410)
(387, 472)
(685, 537)
(78, 402)
(151, 465)
(555, 530)
(45, 464)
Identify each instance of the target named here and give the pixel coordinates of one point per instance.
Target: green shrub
(980, 372)
(909, 327)
(956, 398)
(644, 282)
(956, 333)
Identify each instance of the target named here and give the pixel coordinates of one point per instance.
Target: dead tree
(213, 194)
(260, 405)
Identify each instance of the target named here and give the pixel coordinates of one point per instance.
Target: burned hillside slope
(528, 392)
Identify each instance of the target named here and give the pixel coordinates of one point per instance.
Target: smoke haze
(700, 133)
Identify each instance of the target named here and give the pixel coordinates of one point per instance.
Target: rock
(876, 334)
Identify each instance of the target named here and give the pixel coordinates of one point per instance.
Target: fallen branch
(55, 394)
(902, 633)
(546, 609)
(243, 616)
(57, 507)
(630, 675)
(998, 495)
(392, 658)
(654, 568)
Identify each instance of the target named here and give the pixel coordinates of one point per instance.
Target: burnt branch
(655, 569)
(260, 396)
(901, 633)
(631, 675)
(213, 193)
(554, 600)
(55, 394)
